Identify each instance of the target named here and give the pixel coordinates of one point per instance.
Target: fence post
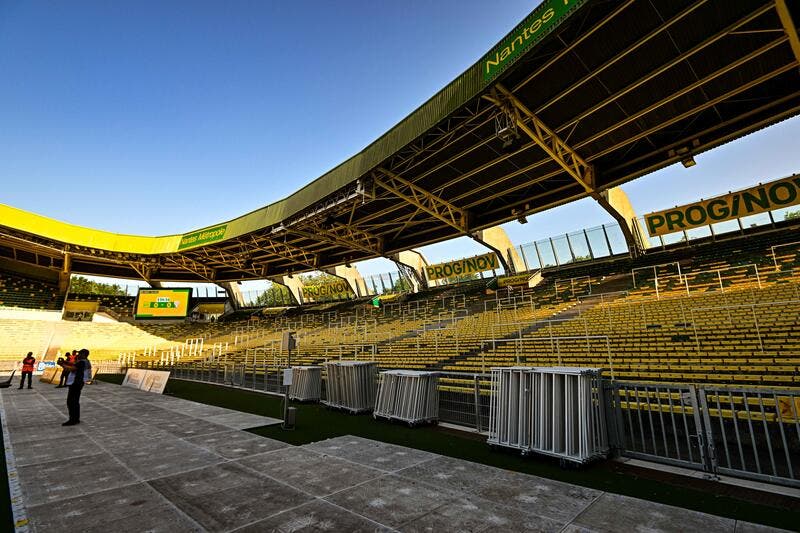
(758, 332)
(477, 398)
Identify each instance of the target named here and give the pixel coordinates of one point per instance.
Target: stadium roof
(581, 96)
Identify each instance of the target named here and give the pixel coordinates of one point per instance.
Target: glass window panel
(672, 238)
(597, 240)
(562, 249)
(579, 246)
(780, 214)
(728, 226)
(617, 239)
(530, 257)
(761, 219)
(699, 233)
(546, 253)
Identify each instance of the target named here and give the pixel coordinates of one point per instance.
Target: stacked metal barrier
(306, 383)
(408, 395)
(351, 385)
(552, 410)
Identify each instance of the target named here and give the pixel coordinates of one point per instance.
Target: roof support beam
(344, 235)
(572, 163)
(789, 27)
(436, 206)
(560, 152)
(284, 250)
(193, 266)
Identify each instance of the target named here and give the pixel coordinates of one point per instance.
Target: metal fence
(739, 431)
(744, 432)
(463, 398)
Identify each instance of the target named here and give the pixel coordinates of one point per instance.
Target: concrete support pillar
(352, 276)
(234, 293)
(293, 283)
(617, 203)
(65, 275)
(415, 262)
(496, 239)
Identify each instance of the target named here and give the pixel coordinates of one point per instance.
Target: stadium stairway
(569, 313)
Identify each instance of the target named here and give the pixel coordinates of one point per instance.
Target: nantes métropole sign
(463, 267)
(203, 236)
(542, 21)
(774, 195)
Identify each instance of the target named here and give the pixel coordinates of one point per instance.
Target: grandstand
(702, 321)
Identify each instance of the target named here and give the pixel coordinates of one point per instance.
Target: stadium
(643, 374)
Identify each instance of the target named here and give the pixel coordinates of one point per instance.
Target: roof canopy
(579, 97)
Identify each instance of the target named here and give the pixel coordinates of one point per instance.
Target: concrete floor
(146, 462)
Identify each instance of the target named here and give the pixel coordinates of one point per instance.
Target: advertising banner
(203, 236)
(134, 378)
(517, 279)
(146, 380)
(538, 24)
(329, 291)
(760, 199)
(463, 267)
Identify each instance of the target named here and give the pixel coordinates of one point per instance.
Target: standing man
(27, 370)
(77, 376)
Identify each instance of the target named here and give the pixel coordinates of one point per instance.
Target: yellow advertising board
(760, 199)
(463, 267)
(162, 303)
(517, 279)
(329, 291)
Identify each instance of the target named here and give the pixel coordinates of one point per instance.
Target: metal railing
(750, 432)
(745, 432)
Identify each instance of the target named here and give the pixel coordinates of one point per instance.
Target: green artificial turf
(315, 422)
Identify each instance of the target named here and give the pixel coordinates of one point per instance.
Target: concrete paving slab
(37, 432)
(476, 514)
(49, 482)
(612, 513)
(227, 496)
(380, 455)
(238, 420)
(544, 497)
(125, 509)
(63, 449)
(157, 458)
(451, 473)
(237, 444)
(392, 500)
(197, 410)
(310, 472)
(315, 516)
(189, 427)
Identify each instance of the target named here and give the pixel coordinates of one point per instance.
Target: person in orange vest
(71, 359)
(27, 369)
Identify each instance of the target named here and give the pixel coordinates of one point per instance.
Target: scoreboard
(162, 303)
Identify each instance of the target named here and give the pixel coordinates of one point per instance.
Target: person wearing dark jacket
(79, 373)
(27, 370)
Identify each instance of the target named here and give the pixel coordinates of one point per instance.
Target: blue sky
(156, 117)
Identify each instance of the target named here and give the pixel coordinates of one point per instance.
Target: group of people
(76, 370)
